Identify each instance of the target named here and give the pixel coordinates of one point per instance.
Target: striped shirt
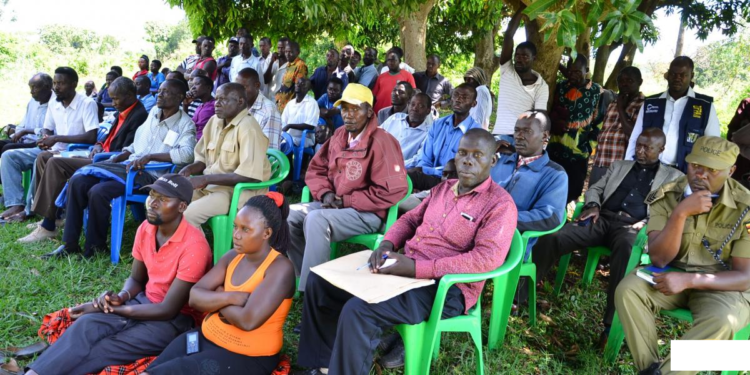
(514, 98)
(265, 112)
(613, 142)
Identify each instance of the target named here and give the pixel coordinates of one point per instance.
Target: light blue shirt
(410, 139)
(148, 101)
(156, 81)
(442, 143)
(366, 74)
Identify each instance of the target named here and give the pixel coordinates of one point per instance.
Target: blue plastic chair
(297, 152)
(119, 205)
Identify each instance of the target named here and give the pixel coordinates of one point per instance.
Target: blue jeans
(14, 163)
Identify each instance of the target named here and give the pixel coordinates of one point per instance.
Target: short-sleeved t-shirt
(715, 226)
(237, 147)
(185, 256)
(384, 87)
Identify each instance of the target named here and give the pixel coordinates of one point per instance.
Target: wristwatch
(591, 205)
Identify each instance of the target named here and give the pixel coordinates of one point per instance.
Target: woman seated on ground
(247, 296)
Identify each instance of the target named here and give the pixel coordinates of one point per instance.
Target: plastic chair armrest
(79, 146)
(306, 196)
(102, 156)
(148, 167)
(577, 212)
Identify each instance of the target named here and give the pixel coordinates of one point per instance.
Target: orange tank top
(263, 341)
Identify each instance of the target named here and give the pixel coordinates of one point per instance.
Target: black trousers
(211, 359)
(92, 193)
(423, 181)
(98, 340)
(340, 332)
(610, 230)
(576, 171)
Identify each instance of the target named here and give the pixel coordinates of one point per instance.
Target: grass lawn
(563, 342)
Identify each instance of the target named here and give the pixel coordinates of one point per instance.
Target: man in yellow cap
(354, 178)
(698, 224)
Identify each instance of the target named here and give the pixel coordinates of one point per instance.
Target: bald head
(231, 99)
(649, 145)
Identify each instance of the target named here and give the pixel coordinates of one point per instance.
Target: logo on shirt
(692, 137)
(650, 108)
(353, 170)
(697, 111)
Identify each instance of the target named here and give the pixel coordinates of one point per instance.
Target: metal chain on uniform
(717, 254)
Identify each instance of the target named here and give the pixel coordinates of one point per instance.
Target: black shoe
(93, 251)
(652, 370)
(60, 252)
(386, 344)
(394, 358)
(308, 372)
(297, 329)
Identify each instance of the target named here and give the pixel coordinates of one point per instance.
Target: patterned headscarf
(479, 75)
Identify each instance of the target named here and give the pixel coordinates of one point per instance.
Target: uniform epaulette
(707, 98)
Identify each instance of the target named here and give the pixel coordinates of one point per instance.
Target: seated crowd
(660, 167)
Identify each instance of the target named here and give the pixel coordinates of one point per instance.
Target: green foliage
(706, 15)
(166, 38)
(8, 48)
(63, 39)
(622, 21)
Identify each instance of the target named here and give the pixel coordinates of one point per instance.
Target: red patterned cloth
(613, 141)
(55, 324)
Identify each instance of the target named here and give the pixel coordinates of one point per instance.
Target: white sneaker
(59, 223)
(39, 234)
(34, 225)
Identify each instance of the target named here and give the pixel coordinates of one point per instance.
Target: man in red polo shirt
(53, 172)
(152, 308)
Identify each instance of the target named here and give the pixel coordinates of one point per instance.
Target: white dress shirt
(482, 111)
(672, 115)
(263, 63)
(34, 118)
(239, 63)
(79, 117)
(304, 112)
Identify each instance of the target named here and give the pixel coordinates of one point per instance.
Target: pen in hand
(385, 256)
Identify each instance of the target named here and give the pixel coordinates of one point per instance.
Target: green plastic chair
(617, 335)
(594, 253)
(499, 316)
(422, 341)
(26, 183)
(222, 224)
(371, 240)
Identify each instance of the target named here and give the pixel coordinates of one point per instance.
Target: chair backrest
(392, 214)
(536, 234)
(279, 166)
(515, 255)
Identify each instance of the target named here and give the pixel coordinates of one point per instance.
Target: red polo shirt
(185, 256)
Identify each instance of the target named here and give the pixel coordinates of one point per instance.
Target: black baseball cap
(199, 39)
(173, 186)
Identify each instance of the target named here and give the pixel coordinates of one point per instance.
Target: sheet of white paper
(370, 287)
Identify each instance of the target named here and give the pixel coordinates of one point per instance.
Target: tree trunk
(626, 59)
(600, 63)
(484, 52)
(413, 32)
(680, 39)
(583, 43)
(548, 54)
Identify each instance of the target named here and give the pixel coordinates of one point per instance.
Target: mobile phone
(192, 343)
(585, 223)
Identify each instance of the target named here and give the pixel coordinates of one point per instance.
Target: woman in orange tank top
(247, 296)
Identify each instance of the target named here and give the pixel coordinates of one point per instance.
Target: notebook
(647, 273)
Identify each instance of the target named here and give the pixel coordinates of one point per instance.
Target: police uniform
(717, 315)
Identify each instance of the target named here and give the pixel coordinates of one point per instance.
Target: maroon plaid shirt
(613, 142)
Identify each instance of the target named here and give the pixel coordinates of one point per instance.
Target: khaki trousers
(716, 316)
(214, 201)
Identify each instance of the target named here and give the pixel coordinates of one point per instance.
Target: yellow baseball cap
(356, 94)
(713, 152)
